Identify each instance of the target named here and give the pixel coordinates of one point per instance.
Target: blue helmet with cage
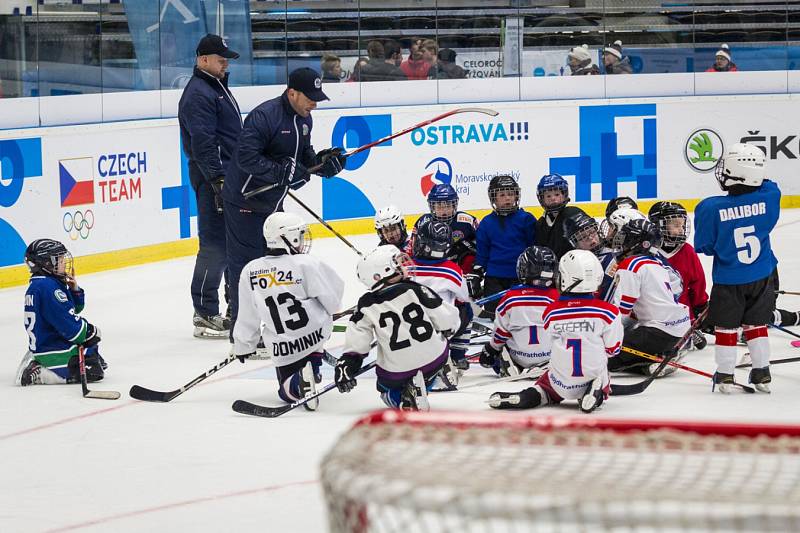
(552, 182)
(432, 240)
(443, 202)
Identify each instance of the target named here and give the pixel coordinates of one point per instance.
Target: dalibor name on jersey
(742, 211)
(297, 345)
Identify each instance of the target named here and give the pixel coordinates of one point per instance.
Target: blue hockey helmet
(432, 240)
(443, 202)
(552, 182)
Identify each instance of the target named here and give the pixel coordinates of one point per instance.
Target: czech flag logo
(77, 181)
(441, 172)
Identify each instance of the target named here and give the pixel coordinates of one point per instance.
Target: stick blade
(103, 394)
(148, 395)
(247, 408)
(484, 110)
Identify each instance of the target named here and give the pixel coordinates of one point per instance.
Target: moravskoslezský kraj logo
(703, 149)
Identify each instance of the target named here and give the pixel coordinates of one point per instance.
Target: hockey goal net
(409, 472)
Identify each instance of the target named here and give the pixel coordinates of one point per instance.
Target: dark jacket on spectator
(380, 70)
(620, 67)
(272, 132)
(210, 123)
(449, 71)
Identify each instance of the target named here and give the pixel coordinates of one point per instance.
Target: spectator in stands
(430, 55)
(613, 60)
(446, 68)
(356, 74)
(394, 52)
(415, 67)
(723, 61)
(331, 67)
(580, 63)
(378, 68)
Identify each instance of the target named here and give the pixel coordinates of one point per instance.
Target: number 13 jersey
(293, 296)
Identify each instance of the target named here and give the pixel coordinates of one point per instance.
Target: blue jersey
(52, 322)
(464, 227)
(608, 260)
(501, 240)
(735, 230)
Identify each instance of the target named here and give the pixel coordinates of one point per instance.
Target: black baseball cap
(307, 81)
(214, 44)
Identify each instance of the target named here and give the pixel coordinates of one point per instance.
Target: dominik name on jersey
(297, 345)
(742, 211)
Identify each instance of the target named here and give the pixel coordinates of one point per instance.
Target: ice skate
(761, 378)
(594, 396)
(308, 386)
(415, 395)
(211, 327)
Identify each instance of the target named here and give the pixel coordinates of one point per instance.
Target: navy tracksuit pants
(211, 262)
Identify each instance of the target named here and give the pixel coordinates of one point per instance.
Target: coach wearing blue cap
(210, 123)
(274, 149)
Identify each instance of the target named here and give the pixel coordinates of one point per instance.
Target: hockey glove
(346, 368)
(475, 282)
(489, 356)
(92, 336)
(294, 174)
(332, 161)
(245, 356)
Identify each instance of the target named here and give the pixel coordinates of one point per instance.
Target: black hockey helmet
(672, 221)
(503, 182)
(44, 256)
(537, 265)
(637, 236)
(582, 232)
(432, 240)
(620, 201)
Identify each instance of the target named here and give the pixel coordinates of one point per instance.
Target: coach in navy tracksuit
(274, 149)
(210, 123)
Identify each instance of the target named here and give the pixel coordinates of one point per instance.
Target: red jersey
(688, 265)
(415, 70)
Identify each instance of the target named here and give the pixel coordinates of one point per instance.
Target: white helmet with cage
(381, 264)
(741, 164)
(579, 271)
(287, 231)
(388, 216)
(610, 225)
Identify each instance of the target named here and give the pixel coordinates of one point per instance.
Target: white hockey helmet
(287, 231)
(388, 216)
(741, 164)
(381, 263)
(579, 271)
(610, 226)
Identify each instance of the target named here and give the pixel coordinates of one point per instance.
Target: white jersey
(444, 278)
(518, 324)
(585, 332)
(407, 318)
(293, 297)
(645, 287)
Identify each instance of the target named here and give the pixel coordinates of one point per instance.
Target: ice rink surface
(75, 464)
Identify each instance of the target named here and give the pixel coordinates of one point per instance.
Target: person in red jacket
(415, 67)
(674, 224)
(723, 61)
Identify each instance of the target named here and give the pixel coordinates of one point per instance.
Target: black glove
(294, 175)
(489, 356)
(475, 281)
(461, 249)
(698, 310)
(346, 368)
(332, 161)
(92, 336)
(216, 185)
(244, 356)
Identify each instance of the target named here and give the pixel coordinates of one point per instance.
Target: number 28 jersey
(294, 297)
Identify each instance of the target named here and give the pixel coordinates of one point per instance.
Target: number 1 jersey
(293, 296)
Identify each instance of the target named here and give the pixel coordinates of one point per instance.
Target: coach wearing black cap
(210, 123)
(274, 149)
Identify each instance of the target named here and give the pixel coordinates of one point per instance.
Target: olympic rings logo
(78, 224)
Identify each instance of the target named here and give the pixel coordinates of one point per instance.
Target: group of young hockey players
(564, 300)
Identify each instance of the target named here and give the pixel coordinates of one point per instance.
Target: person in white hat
(580, 63)
(723, 61)
(613, 60)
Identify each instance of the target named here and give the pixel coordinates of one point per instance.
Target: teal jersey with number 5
(735, 231)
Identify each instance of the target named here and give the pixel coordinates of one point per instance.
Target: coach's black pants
(211, 262)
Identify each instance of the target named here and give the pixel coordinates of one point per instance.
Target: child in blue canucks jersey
(734, 229)
(55, 331)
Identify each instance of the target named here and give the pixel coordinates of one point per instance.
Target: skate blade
(206, 333)
(762, 387)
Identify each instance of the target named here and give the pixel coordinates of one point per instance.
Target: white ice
(69, 463)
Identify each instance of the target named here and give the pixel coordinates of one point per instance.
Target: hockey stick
(321, 221)
(681, 366)
(247, 408)
(97, 394)
(533, 372)
(149, 395)
(783, 329)
(775, 362)
(485, 111)
(790, 293)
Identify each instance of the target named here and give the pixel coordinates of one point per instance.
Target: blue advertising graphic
(340, 198)
(599, 161)
(181, 197)
(19, 159)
